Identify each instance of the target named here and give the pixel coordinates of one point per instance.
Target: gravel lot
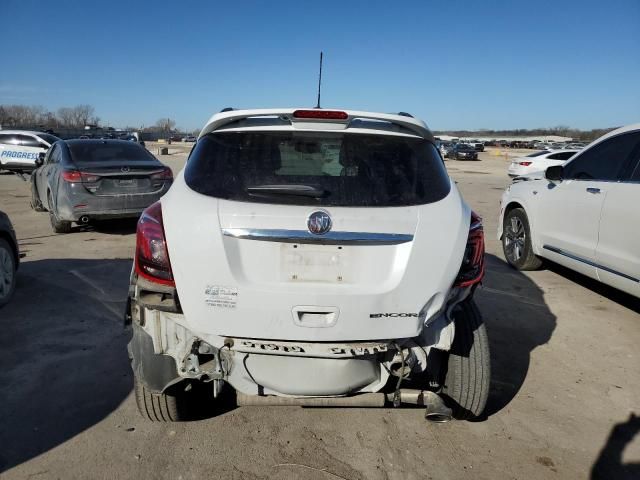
(565, 377)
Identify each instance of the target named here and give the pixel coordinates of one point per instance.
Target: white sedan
(582, 214)
(19, 149)
(539, 161)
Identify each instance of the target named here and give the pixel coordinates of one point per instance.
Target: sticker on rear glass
(221, 297)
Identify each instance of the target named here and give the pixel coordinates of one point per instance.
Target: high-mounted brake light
(472, 268)
(152, 257)
(321, 114)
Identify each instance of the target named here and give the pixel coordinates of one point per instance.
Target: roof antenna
(319, 81)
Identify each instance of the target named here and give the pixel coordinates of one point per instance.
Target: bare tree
(65, 116)
(82, 114)
(165, 124)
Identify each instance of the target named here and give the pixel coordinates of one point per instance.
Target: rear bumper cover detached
(165, 351)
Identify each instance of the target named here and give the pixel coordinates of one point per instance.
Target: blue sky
(456, 64)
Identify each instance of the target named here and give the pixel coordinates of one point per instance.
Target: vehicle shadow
(610, 293)
(609, 462)
(63, 359)
(518, 320)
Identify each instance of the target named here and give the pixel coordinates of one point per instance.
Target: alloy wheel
(515, 239)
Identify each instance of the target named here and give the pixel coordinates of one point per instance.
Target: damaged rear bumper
(165, 351)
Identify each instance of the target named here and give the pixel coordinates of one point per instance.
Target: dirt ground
(564, 389)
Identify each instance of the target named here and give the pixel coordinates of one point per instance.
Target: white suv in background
(310, 257)
(19, 149)
(583, 214)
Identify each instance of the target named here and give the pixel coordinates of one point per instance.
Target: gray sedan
(81, 180)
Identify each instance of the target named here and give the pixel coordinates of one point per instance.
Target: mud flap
(156, 372)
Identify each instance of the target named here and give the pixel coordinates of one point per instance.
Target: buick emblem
(319, 222)
(125, 169)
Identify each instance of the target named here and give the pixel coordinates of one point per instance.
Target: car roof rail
(227, 109)
(405, 114)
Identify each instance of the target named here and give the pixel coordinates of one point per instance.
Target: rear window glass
(88, 151)
(537, 154)
(344, 169)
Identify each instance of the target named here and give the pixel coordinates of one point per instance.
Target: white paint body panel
(602, 229)
(273, 281)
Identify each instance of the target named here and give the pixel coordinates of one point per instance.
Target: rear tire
(161, 407)
(58, 226)
(8, 268)
(469, 366)
(516, 241)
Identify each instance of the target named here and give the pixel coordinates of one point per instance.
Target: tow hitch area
(436, 410)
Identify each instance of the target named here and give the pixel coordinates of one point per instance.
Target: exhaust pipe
(436, 410)
(84, 219)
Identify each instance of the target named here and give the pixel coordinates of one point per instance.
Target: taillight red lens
(472, 268)
(525, 164)
(72, 176)
(165, 174)
(321, 114)
(152, 257)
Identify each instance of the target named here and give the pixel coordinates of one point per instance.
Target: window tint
(92, 151)
(349, 169)
(561, 156)
(605, 160)
(28, 141)
(54, 154)
(8, 139)
(537, 154)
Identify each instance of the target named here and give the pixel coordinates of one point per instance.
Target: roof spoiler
(402, 119)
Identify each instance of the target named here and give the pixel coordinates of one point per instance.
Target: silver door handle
(593, 190)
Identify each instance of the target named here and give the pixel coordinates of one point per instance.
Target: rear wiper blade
(294, 189)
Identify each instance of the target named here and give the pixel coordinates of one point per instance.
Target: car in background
(19, 149)
(583, 215)
(462, 151)
(540, 145)
(83, 180)
(538, 161)
(296, 242)
(556, 146)
(478, 146)
(9, 259)
(444, 148)
(189, 138)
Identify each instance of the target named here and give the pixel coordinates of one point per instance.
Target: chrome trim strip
(588, 262)
(330, 238)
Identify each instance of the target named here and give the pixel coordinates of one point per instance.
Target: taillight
(525, 164)
(165, 174)
(74, 176)
(472, 268)
(152, 257)
(321, 114)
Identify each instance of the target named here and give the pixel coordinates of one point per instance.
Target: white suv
(583, 214)
(310, 257)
